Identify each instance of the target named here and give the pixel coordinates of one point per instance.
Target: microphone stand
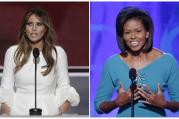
(132, 76)
(35, 111)
(133, 86)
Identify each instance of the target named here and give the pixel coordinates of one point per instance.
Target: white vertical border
(89, 63)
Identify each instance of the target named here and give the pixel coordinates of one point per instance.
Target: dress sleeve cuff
(68, 94)
(6, 96)
(73, 97)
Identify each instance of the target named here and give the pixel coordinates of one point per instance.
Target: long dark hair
(24, 49)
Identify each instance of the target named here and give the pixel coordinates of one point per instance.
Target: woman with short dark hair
(135, 13)
(155, 70)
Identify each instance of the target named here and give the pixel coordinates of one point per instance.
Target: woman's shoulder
(11, 49)
(113, 59)
(60, 50)
(168, 57)
(155, 53)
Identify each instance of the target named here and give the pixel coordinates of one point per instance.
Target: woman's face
(134, 34)
(35, 30)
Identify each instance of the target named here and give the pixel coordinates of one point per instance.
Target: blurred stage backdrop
(71, 22)
(103, 37)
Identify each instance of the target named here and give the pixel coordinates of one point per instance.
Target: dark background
(71, 22)
(70, 19)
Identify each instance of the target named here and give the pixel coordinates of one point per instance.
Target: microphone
(132, 76)
(35, 111)
(36, 53)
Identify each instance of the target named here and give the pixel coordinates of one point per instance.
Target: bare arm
(157, 99)
(173, 106)
(5, 109)
(64, 108)
(122, 99)
(108, 106)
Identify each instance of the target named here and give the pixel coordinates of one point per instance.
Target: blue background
(103, 42)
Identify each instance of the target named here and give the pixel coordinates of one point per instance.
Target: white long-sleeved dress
(17, 90)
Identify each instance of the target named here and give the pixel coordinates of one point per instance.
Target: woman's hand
(64, 108)
(151, 98)
(124, 97)
(5, 110)
(121, 99)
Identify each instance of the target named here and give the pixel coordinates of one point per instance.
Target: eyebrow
(134, 29)
(34, 22)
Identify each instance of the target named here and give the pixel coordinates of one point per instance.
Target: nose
(34, 27)
(133, 36)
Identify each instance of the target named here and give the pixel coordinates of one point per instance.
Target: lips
(134, 43)
(34, 34)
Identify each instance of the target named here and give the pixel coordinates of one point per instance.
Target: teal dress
(163, 70)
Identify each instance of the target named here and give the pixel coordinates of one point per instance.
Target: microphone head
(36, 52)
(132, 74)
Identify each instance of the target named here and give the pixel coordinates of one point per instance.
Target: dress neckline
(144, 67)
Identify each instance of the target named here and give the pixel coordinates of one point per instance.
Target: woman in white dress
(54, 93)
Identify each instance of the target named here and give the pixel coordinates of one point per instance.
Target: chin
(135, 49)
(34, 41)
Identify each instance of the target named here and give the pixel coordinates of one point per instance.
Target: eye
(29, 23)
(39, 24)
(126, 33)
(138, 31)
